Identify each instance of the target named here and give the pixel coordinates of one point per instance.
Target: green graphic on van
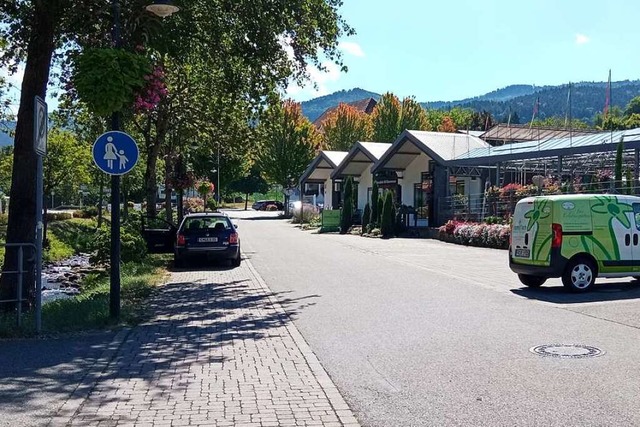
(607, 208)
(539, 212)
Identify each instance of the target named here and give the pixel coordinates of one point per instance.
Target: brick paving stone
(219, 351)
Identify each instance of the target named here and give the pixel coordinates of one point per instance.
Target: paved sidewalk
(220, 351)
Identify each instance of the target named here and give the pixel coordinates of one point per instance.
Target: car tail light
(181, 240)
(556, 242)
(233, 239)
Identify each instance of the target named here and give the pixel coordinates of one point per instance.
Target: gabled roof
(361, 156)
(582, 144)
(365, 105)
(439, 146)
(321, 167)
(519, 133)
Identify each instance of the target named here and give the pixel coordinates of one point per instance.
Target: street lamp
(161, 8)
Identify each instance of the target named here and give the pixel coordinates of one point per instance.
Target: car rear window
(209, 224)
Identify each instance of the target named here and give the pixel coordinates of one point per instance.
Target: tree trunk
(180, 205)
(167, 189)
(153, 151)
(22, 209)
(246, 201)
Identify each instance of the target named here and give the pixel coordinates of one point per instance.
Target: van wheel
(532, 281)
(579, 275)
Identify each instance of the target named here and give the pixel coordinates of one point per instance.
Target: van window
(636, 215)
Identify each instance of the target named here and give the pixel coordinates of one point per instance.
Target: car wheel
(579, 275)
(178, 262)
(532, 281)
(236, 261)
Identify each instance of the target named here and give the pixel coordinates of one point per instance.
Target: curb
(66, 412)
(330, 390)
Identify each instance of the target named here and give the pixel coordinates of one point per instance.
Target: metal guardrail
(22, 266)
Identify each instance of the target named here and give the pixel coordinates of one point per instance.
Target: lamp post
(161, 8)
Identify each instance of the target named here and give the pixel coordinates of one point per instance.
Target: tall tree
(413, 116)
(288, 142)
(251, 183)
(386, 118)
(345, 126)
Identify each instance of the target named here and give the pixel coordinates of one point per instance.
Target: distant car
(261, 205)
(211, 236)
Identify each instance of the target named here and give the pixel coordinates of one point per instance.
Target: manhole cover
(567, 351)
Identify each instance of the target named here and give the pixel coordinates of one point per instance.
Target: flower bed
(475, 234)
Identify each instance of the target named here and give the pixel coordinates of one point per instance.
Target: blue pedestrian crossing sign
(115, 153)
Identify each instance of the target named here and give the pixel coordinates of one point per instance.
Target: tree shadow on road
(611, 291)
(198, 323)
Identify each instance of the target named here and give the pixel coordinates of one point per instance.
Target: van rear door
(521, 238)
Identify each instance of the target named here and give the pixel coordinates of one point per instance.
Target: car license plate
(207, 240)
(523, 253)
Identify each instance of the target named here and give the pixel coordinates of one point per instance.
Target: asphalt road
(419, 332)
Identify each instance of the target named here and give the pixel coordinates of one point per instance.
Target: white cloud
(351, 48)
(318, 81)
(582, 39)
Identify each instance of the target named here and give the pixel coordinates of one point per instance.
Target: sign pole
(39, 231)
(40, 133)
(114, 280)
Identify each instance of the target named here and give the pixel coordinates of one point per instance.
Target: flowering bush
(476, 234)
(509, 191)
(153, 92)
(194, 204)
(204, 188)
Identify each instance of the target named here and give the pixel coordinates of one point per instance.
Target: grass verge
(90, 310)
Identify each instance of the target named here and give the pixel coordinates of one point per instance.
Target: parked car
(261, 205)
(207, 235)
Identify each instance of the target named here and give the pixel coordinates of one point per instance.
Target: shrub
(132, 245)
(374, 203)
(211, 204)
(375, 232)
(386, 222)
(380, 207)
(346, 215)
(309, 213)
(476, 234)
(58, 216)
(366, 216)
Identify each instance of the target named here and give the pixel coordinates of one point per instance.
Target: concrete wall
(366, 181)
(328, 194)
(411, 176)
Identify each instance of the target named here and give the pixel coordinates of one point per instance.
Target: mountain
(587, 99)
(498, 95)
(315, 107)
(5, 128)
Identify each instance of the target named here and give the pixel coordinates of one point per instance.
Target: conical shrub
(386, 223)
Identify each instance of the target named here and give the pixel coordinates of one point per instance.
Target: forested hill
(315, 107)
(587, 99)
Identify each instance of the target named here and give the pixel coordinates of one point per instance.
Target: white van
(577, 237)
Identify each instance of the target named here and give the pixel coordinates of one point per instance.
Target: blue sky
(448, 50)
